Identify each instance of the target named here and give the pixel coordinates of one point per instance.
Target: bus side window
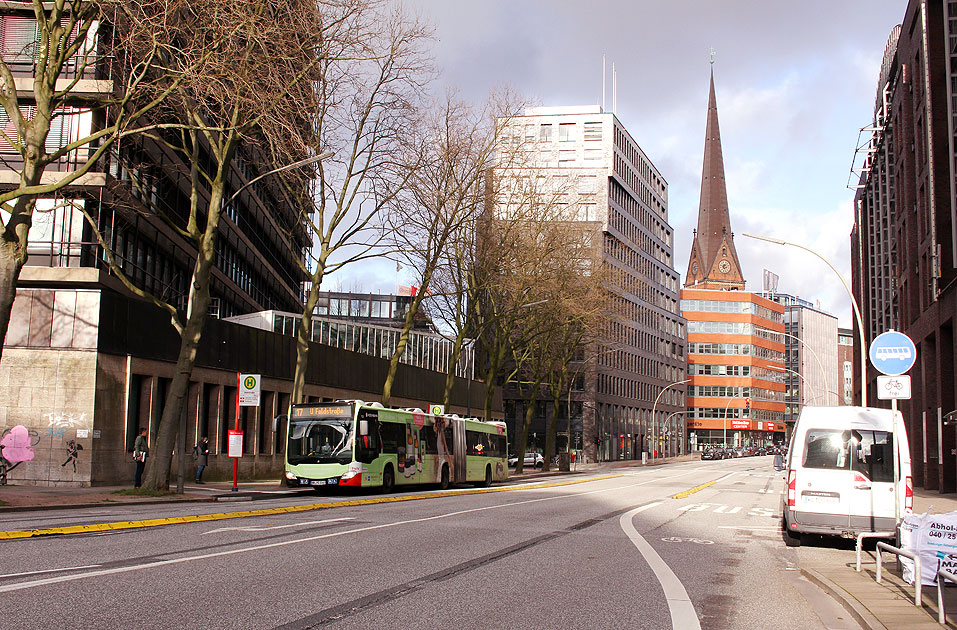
(431, 448)
(393, 435)
(367, 447)
(449, 441)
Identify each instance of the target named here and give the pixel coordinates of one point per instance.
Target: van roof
(845, 416)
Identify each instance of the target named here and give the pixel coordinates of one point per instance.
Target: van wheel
(444, 483)
(791, 539)
(388, 480)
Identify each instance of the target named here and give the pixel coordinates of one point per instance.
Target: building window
(592, 131)
(566, 156)
(545, 133)
(592, 154)
(566, 132)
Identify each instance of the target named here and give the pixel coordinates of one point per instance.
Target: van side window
(826, 448)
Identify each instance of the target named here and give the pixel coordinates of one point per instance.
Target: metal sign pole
(236, 428)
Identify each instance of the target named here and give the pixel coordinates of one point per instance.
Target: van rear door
(871, 497)
(823, 480)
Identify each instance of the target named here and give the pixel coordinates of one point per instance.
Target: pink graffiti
(15, 445)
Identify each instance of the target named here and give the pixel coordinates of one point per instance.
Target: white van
(840, 473)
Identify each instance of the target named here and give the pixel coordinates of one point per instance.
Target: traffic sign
(892, 353)
(893, 387)
(249, 390)
(437, 410)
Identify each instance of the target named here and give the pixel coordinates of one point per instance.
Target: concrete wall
(50, 393)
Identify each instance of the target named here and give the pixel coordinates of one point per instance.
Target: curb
(855, 608)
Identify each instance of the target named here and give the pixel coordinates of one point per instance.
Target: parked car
(532, 460)
(711, 453)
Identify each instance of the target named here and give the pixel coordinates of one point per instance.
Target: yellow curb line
(198, 518)
(686, 493)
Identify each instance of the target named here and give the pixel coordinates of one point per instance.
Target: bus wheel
(444, 483)
(388, 480)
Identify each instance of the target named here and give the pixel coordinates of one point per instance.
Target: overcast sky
(795, 82)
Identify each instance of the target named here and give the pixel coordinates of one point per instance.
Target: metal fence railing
(881, 546)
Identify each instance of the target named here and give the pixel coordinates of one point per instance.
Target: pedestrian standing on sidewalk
(140, 452)
(201, 454)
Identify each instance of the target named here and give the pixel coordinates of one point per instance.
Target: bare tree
(248, 96)
(368, 90)
(443, 196)
(45, 85)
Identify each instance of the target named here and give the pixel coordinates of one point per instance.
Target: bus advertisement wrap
(360, 444)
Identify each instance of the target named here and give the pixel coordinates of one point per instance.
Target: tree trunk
(13, 245)
(303, 337)
(156, 475)
(550, 432)
(403, 341)
(453, 363)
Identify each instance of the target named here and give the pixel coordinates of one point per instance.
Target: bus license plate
(318, 482)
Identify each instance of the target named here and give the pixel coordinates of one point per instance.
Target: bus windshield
(320, 441)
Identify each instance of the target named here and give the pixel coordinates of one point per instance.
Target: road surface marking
(197, 518)
(159, 563)
(11, 575)
(252, 528)
(683, 615)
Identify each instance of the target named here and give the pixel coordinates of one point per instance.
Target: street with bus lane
(694, 544)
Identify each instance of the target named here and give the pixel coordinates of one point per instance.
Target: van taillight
(908, 495)
(792, 487)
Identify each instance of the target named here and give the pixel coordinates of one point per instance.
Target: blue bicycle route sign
(892, 353)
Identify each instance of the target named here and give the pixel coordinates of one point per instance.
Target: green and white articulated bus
(365, 445)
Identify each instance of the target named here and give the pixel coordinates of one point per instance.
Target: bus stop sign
(892, 353)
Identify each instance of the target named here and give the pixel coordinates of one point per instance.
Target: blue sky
(795, 82)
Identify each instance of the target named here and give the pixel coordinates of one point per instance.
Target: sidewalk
(890, 604)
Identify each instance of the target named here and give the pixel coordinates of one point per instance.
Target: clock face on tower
(724, 266)
(694, 268)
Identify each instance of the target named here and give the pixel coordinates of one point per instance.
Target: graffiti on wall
(16, 447)
(72, 448)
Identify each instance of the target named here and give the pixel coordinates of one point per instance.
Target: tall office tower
(590, 159)
(735, 347)
(904, 240)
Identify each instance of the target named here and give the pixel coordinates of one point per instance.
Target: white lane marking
(86, 566)
(683, 615)
(159, 563)
(267, 528)
(751, 529)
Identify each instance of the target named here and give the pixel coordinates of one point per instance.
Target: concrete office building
(590, 157)
(904, 240)
(735, 350)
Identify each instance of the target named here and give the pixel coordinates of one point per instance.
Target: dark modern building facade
(904, 257)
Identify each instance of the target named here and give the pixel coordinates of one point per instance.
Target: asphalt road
(636, 549)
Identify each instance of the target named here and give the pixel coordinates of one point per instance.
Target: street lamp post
(669, 416)
(655, 406)
(857, 311)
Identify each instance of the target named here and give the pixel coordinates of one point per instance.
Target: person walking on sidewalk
(201, 454)
(140, 451)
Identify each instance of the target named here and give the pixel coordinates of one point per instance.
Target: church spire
(714, 261)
